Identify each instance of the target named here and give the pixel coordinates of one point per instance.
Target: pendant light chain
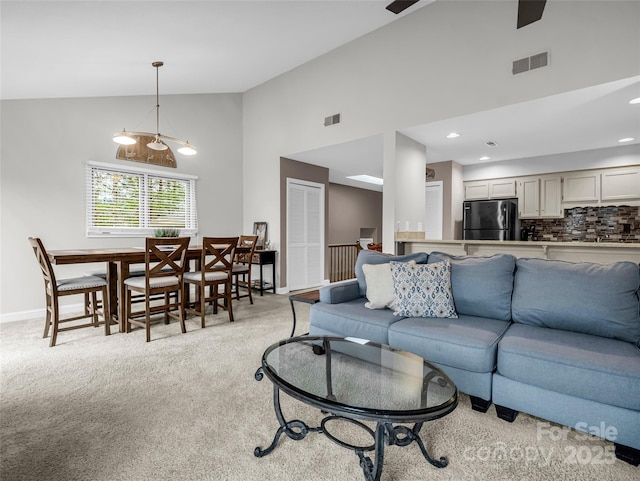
(157, 65)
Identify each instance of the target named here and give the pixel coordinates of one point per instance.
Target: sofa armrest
(339, 292)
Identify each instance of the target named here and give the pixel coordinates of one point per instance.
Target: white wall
(45, 144)
(410, 165)
(588, 159)
(445, 60)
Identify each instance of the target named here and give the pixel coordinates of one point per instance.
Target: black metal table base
(385, 434)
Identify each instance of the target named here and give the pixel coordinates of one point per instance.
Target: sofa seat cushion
(352, 319)
(468, 343)
(577, 364)
(482, 285)
(578, 296)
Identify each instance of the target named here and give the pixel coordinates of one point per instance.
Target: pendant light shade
(123, 138)
(157, 144)
(188, 149)
(129, 138)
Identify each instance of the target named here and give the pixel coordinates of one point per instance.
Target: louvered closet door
(305, 234)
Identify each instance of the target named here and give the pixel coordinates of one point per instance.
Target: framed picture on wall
(260, 229)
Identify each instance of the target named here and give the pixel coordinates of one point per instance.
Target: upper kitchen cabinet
(620, 185)
(539, 197)
(614, 186)
(478, 189)
(551, 197)
(490, 189)
(529, 198)
(502, 188)
(547, 195)
(581, 187)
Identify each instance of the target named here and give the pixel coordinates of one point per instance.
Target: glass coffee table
(354, 380)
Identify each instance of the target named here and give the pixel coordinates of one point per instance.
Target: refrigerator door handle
(505, 214)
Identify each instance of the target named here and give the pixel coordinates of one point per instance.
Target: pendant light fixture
(129, 138)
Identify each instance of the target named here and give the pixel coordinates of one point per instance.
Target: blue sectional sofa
(555, 339)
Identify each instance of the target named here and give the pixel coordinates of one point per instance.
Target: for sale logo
(587, 449)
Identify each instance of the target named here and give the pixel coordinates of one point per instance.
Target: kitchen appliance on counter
(490, 220)
(527, 233)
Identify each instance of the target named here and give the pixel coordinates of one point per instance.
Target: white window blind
(125, 201)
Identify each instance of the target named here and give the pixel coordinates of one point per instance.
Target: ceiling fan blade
(530, 11)
(400, 5)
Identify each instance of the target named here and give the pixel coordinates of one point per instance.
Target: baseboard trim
(38, 313)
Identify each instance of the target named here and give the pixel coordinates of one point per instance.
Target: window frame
(191, 229)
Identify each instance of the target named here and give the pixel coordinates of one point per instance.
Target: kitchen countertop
(524, 243)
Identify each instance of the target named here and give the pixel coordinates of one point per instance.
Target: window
(125, 201)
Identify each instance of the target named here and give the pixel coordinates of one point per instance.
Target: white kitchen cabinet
(476, 190)
(581, 187)
(490, 189)
(529, 197)
(547, 195)
(620, 184)
(502, 188)
(540, 197)
(551, 197)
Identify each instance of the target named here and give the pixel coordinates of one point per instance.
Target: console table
(265, 258)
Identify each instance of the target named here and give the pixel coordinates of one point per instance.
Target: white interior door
(305, 234)
(434, 205)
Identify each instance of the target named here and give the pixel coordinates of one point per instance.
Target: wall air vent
(530, 63)
(332, 119)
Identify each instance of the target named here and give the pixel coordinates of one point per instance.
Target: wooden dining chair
(56, 288)
(242, 265)
(165, 262)
(215, 272)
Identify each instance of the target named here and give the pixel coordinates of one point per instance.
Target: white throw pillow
(380, 293)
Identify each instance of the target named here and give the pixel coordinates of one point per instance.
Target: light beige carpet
(187, 407)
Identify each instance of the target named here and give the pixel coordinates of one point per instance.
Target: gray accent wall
(350, 211)
(293, 169)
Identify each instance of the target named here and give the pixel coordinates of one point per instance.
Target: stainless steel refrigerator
(490, 219)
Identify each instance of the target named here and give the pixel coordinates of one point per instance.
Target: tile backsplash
(590, 224)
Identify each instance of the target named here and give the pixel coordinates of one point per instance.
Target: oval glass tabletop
(361, 378)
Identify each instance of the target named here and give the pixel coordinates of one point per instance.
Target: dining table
(118, 262)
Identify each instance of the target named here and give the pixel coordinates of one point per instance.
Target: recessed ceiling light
(626, 139)
(369, 179)
(453, 135)
(635, 101)
(485, 158)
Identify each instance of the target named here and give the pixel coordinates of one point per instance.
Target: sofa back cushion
(595, 299)
(367, 256)
(481, 286)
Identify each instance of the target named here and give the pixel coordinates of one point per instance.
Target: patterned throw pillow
(423, 290)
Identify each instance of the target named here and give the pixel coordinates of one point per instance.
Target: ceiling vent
(491, 143)
(530, 63)
(332, 119)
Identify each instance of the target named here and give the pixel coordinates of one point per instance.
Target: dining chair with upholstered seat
(242, 265)
(165, 262)
(56, 288)
(215, 272)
